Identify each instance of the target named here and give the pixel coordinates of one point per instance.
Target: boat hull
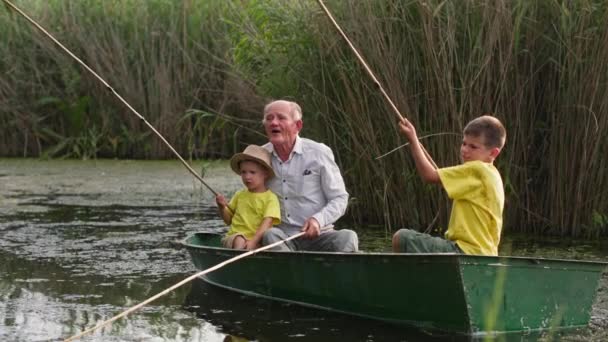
(449, 292)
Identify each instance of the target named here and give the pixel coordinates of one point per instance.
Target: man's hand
(312, 228)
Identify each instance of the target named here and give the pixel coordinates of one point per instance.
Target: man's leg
(343, 240)
(273, 235)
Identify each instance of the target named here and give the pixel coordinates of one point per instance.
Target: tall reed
(539, 66)
(201, 72)
(163, 57)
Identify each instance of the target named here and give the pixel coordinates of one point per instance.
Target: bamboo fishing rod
(45, 32)
(370, 72)
(190, 278)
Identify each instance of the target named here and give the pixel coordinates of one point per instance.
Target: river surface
(81, 241)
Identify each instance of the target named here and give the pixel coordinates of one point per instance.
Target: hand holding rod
(369, 71)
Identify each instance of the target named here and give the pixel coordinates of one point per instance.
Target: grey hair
(295, 109)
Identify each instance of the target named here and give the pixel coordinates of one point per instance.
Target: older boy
(475, 186)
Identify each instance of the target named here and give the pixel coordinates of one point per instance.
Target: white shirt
(308, 184)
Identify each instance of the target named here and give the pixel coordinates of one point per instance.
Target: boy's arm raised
(425, 167)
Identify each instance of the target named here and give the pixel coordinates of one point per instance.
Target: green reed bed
(163, 57)
(538, 65)
(200, 71)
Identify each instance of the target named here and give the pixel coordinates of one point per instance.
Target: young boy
(475, 186)
(253, 210)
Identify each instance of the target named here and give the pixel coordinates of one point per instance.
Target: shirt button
(285, 198)
(287, 215)
(284, 181)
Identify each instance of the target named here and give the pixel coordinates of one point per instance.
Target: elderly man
(308, 183)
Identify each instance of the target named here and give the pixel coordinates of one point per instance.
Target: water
(81, 241)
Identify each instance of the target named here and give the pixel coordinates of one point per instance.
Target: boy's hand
(407, 129)
(424, 164)
(221, 201)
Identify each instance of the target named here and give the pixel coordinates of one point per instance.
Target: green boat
(464, 294)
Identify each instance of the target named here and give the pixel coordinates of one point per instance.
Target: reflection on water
(60, 277)
(252, 318)
(83, 241)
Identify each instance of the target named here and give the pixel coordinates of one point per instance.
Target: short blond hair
(490, 128)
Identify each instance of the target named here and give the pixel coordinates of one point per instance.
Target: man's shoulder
(309, 145)
(268, 146)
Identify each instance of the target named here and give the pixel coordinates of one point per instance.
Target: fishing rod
(369, 72)
(190, 278)
(45, 32)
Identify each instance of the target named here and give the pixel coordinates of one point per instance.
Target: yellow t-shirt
(250, 208)
(476, 219)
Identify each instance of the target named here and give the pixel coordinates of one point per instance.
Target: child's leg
(236, 241)
(396, 242)
(239, 242)
(411, 241)
(402, 241)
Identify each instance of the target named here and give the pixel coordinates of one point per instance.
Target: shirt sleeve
(334, 190)
(461, 181)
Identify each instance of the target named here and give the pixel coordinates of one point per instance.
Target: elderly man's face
(280, 126)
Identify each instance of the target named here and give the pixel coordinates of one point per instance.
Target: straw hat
(254, 153)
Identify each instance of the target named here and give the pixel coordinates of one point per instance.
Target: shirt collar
(297, 147)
